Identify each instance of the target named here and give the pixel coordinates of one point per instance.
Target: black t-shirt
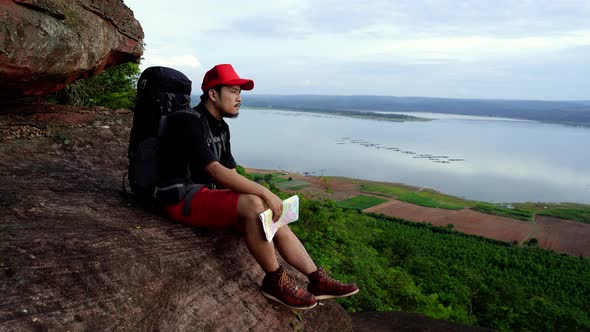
(186, 144)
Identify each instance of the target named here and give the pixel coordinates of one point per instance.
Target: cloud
(188, 61)
(468, 48)
(358, 46)
(478, 48)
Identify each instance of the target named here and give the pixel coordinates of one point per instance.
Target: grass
(570, 211)
(389, 190)
(500, 210)
(428, 201)
(428, 198)
(292, 185)
(277, 179)
(582, 215)
(521, 211)
(360, 202)
(273, 177)
(280, 181)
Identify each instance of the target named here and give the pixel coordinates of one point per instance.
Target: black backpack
(160, 91)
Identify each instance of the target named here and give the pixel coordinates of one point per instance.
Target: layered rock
(77, 255)
(46, 44)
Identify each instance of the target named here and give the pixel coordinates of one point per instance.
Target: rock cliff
(77, 255)
(46, 44)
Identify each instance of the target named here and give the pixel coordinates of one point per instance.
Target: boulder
(76, 254)
(46, 44)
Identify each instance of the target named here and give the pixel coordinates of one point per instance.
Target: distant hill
(568, 112)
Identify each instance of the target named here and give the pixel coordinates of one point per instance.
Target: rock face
(77, 255)
(46, 44)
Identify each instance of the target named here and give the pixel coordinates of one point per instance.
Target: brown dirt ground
(561, 235)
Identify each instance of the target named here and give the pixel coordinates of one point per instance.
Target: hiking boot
(324, 287)
(278, 286)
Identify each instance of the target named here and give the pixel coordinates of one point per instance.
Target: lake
(488, 159)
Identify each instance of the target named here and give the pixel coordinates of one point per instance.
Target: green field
(280, 181)
(500, 210)
(360, 202)
(444, 274)
(431, 198)
(522, 211)
(292, 185)
(570, 211)
(401, 265)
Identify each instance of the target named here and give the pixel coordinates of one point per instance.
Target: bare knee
(249, 206)
(283, 232)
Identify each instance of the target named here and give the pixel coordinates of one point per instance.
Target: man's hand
(274, 203)
(230, 179)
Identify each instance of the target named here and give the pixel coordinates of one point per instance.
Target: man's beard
(230, 115)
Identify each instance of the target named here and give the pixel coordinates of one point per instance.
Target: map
(290, 214)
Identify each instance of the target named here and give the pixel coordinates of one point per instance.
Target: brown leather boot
(324, 287)
(278, 286)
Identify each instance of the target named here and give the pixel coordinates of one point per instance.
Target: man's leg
(320, 283)
(293, 251)
(277, 285)
(249, 206)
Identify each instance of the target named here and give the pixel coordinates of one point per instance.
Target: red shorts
(209, 209)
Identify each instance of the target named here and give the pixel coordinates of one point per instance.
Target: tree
(113, 88)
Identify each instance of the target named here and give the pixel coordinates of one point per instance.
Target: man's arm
(230, 179)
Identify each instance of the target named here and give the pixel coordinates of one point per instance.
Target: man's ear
(212, 94)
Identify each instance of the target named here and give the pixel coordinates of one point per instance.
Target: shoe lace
(286, 282)
(327, 277)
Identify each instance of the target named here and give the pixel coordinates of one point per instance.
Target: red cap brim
(245, 84)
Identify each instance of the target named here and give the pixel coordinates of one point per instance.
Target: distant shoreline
(394, 117)
(570, 113)
(400, 184)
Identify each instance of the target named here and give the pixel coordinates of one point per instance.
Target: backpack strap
(213, 185)
(178, 188)
(215, 150)
(192, 190)
(204, 119)
(162, 125)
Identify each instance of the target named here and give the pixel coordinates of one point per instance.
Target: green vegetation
(427, 200)
(292, 185)
(386, 189)
(112, 88)
(445, 274)
(278, 181)
(408, 194)
(489, 208)
(360, 202)
(242, 171)
(522, 211)
(431, 198)
(401, 265)
(269, 177)
(570, 211)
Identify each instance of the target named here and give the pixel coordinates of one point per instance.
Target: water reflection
(487, 159)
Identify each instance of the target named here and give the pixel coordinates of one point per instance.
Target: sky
(488, 49)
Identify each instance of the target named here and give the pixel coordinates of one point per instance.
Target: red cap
(225, 75)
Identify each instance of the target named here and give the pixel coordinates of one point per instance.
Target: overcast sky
(506, 49)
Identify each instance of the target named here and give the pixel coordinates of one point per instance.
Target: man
(200, 143)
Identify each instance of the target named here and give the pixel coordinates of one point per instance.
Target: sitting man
(201, 145)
